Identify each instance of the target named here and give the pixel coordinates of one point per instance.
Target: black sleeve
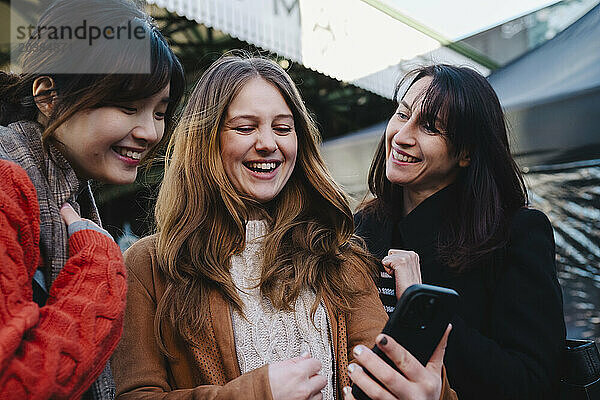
(521, 358)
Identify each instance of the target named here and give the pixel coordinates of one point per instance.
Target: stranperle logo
(78, 41)
(81, 32)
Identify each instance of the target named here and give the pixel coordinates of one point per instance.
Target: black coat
(509, 333)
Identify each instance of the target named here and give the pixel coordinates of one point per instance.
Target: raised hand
(404, 266)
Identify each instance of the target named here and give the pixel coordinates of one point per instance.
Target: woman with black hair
(79, 111)
(450, 209)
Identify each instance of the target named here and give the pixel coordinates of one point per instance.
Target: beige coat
(212, 371)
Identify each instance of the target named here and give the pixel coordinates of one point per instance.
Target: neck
(412, 198)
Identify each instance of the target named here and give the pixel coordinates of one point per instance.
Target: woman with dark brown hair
(450, 209)
(63, 285)
(254, 285)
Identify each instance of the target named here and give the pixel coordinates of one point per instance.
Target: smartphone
(418, 323)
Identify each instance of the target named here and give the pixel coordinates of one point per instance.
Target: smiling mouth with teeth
(134, 155)
(264, 167)
(403, 158)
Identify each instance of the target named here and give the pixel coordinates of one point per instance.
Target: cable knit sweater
(264, 335)
(55, 351)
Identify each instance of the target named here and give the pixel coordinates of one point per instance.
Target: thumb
(437, 358)
(68, 214)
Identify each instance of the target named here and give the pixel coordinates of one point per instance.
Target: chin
(123, 179)
(263, 198)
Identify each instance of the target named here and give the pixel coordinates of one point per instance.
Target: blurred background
(542, 57)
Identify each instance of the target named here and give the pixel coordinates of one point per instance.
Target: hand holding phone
(417, 323)
(416, 382)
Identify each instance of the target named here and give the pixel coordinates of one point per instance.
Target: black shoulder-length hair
(74, 92)
(490, 190)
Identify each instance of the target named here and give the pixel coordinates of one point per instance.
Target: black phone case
(417, 323)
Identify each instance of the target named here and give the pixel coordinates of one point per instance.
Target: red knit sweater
(58, 350)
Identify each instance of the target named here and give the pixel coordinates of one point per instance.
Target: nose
(266, 141)
(147, 130)
(405, 134)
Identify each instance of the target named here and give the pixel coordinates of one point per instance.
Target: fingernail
(351, 368)
(66, 205)
(382, 340)
(358, 349)
(347, 390)
(306, 354)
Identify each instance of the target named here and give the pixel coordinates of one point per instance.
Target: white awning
(346, 39)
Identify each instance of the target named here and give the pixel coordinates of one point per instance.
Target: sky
(456, 19)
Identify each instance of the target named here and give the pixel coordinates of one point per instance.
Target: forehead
(257, 97)
(160, 97)
(415, 93)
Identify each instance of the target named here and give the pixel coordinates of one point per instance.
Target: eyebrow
(166, 100)
(405, 104)
(255, 118)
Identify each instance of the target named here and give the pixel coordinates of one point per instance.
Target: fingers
(311, 367)
(315, 385)
(68, 214)
(371, 388)
(400, 259)
(405, 267)
(348, 393)
(437, 358)
(411, 255)
(406, 362)
(382, 371)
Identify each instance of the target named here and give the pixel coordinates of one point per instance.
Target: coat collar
(423, 224)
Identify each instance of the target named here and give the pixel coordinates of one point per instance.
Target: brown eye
(430, 129)
(243, 129)
(283, 130)
(128, 110)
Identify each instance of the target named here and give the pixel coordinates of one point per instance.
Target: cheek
(232, 154)
(289, 147)
(389, 135)
(160, 127)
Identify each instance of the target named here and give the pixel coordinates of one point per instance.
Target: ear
(43, 94)
(464, 160)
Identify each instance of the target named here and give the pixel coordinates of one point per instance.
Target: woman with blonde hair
(254, 285)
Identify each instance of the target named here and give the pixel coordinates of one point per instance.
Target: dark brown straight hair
(490, 190)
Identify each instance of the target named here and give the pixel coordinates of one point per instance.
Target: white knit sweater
(267, 335)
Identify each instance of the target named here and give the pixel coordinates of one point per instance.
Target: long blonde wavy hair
(201, 217)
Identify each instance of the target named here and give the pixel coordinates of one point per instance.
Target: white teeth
(402, 157)
(128, 153)
(263, 166)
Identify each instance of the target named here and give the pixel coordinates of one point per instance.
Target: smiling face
(107, 143)
(418, 157)
(258, 141)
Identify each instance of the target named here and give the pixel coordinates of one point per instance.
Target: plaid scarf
(56, 183)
